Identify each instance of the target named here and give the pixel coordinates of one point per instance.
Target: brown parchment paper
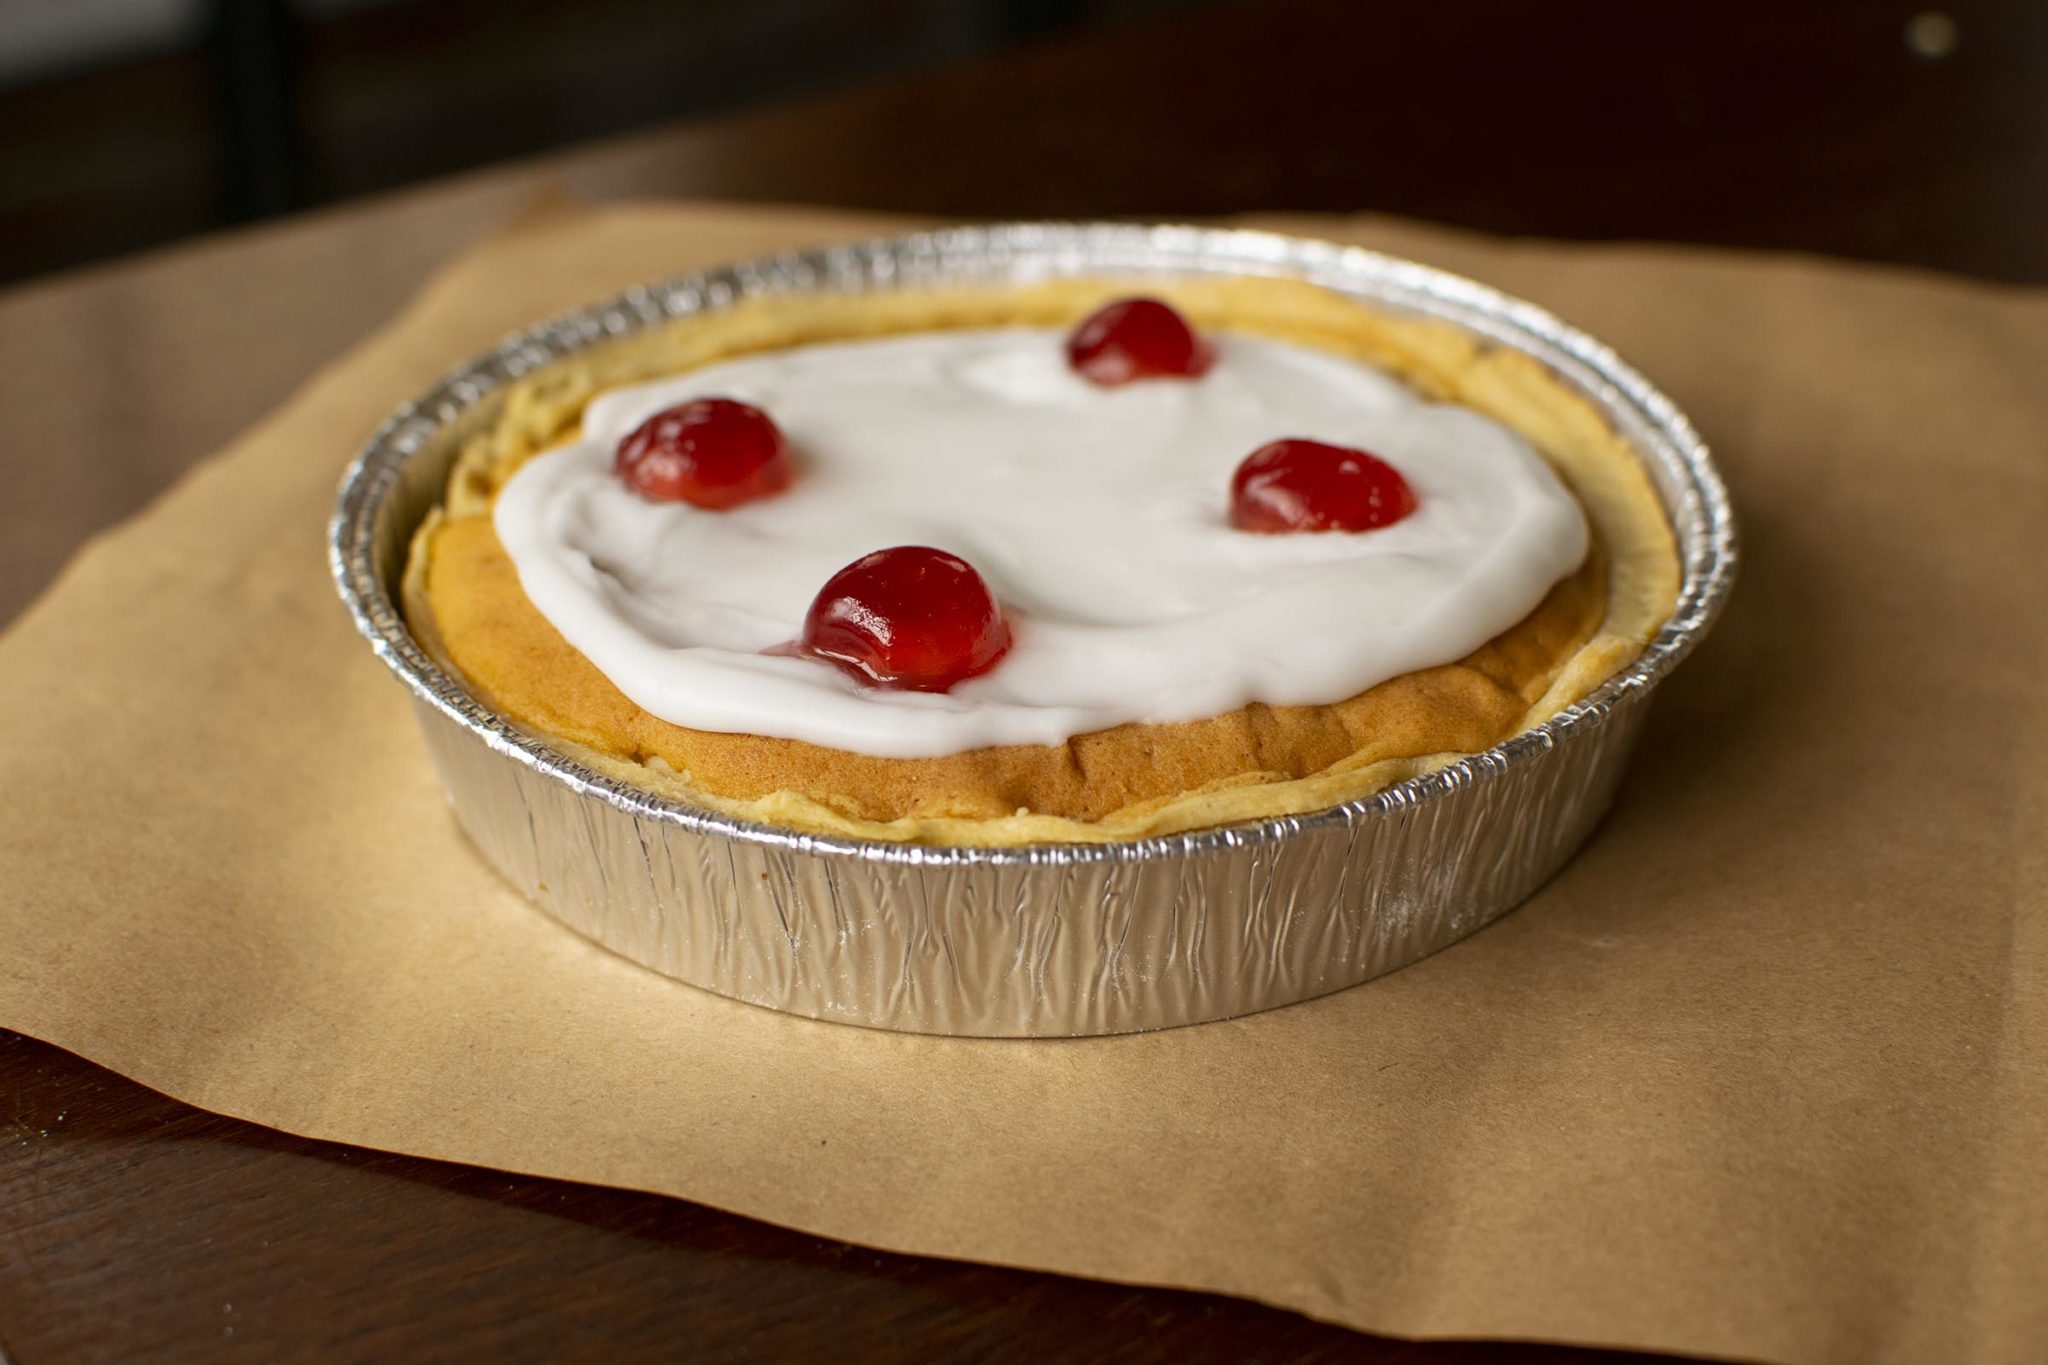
(1763, 1073)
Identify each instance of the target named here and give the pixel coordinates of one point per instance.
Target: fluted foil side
(1055, 939)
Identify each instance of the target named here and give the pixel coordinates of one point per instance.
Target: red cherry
(1298, 485)
(1137, 339)
(713, 453)
(911, 617)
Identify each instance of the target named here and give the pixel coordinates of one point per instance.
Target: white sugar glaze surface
(1097, 516)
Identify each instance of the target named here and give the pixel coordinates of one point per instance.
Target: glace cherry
(713, 453)
(1137, 339)
(1300, 485)
(910, 617)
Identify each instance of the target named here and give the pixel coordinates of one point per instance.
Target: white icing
(1097, 516)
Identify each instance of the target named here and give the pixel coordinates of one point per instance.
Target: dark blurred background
(131, 122)
(1889, 131)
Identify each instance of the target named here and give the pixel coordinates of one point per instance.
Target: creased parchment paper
(1763, 1073)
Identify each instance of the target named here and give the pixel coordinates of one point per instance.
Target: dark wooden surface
(134, 1227)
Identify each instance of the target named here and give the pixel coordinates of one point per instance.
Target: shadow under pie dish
(1183, 862)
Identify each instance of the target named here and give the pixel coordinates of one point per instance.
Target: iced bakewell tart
(1039, 563)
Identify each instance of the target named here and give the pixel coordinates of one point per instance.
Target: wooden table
(132, 1226)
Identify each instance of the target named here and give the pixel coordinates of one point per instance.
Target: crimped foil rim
(1619, 390)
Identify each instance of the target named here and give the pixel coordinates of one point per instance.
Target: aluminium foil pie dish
(1180, 907)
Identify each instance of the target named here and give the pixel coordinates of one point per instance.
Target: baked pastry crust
(463, 602)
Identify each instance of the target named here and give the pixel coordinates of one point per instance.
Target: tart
(730, 702)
